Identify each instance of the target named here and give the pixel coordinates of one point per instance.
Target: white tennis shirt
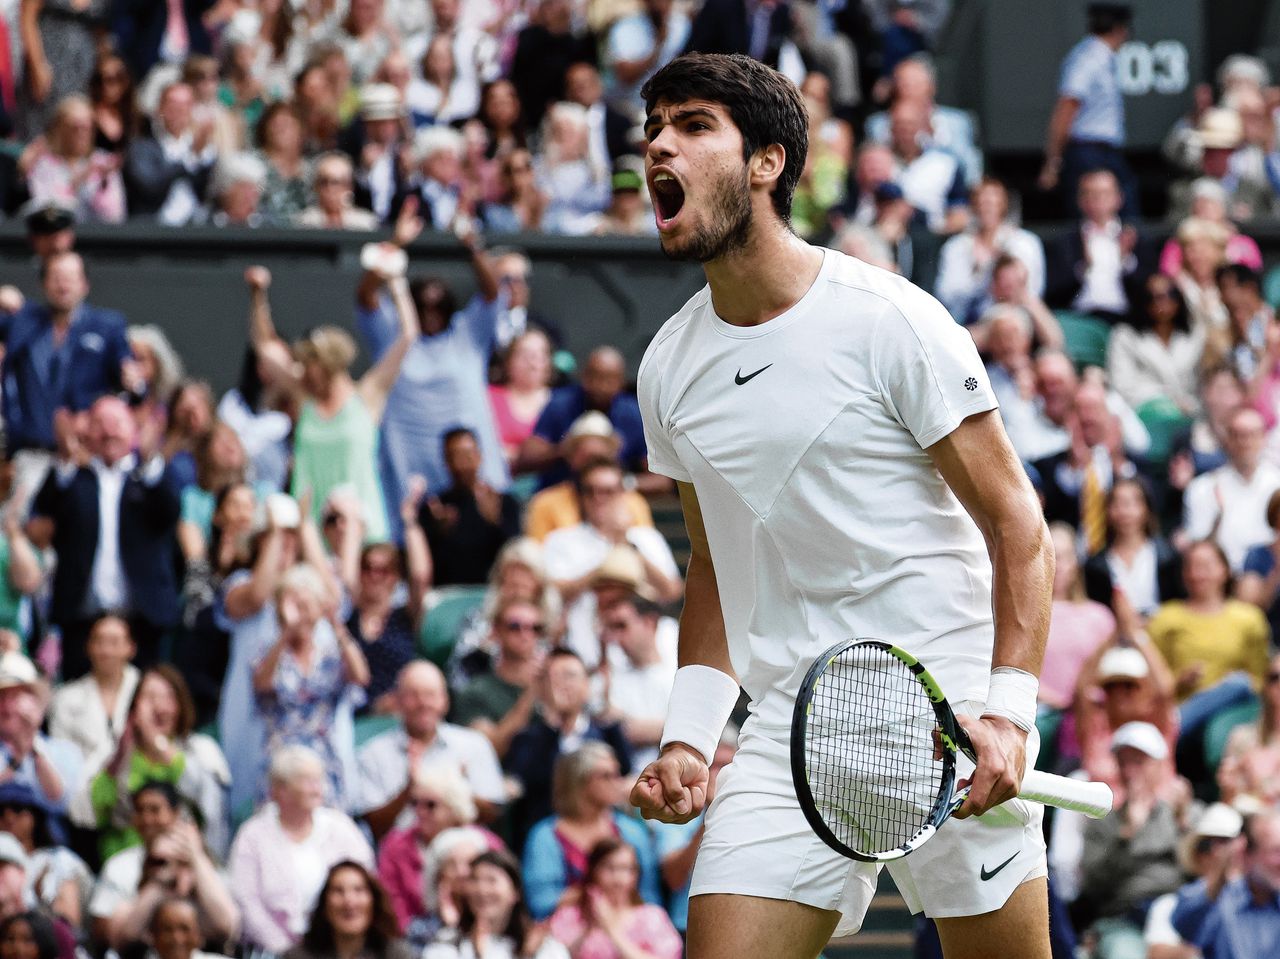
(804, 438)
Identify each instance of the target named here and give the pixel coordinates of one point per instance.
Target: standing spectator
(637, 45)
(296, 828)
(1138, 562)
(116, 118)
(332, 186)
(113, 523)
(376, 155)
(523, 390)
(190, 419)
(1157, 355)
(286, 191)
(1204, 250)
(166, 175)
(931, 179)
(66, 167)
(1259, 583)
(443, 94)
(365, 37)
(93, 711)
(546, 51)
(1250, 766)
(352, 917)
(149, 33)
(1087, 130)
(60, 44)
(1249, 322)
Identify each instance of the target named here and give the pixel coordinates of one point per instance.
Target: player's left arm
(979, 464)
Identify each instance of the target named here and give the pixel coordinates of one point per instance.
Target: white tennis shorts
(758, 843)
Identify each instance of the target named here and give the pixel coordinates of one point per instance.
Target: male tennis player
(844, 473)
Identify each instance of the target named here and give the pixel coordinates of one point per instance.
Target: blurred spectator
(627, 214)
(387, 634)
(1078, 626)
(1209, 202)
(257, 409)
(147, 33)
(352, 917)
(241, 90)
(824, 177)
(1138, 563)
(166, 174)
(762, 33)
(1250, 766)
(50, 230)
(33, 935)
(200, 72)
(1252, 168)
(873, 167)
(521, 203)
(174, 931)
(57, 879)
(931, 179)
(331, 187)
(159, 370)
(948, 128)
(112, 521)
(1258, 582)
(235, 191)
(835, 132)
(66, 167)
(1096, 267)
(60, 45)
(155, 811)
(158, 744)
(1229, 503)
(610, 129)
(286, 191)
(318, 107)
(387, 761)
(561, 724)
(376, 152)
(587, 792)
(639, 672)
(467, 523)
(1087, 128)
(968, 259)
(474, 48)
(1235, 918)
(220, 463)
(396, 70)
(21, 574)
(494, 917)
(1204, 250)
(638, 44)
(1011, 286)
(1130, 857)
(442, 95)
(190, 417)
(439, 181)
(446, 873)
(523, 390)
(365, 37)
(576, 184)
(93, 711)
(911, 245)
(545, 51)
(1006, 330)
(503, 118)
(513, 271)
(606, 918)
(1202, 446)
(904, 28)
(297, 828)
(499, 702)
(1156, 355)
(1250, 322)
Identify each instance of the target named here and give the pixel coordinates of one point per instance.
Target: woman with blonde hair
(1204, 249)
(66, 168)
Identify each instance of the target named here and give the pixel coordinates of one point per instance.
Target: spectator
(968, 259)
(1011, 286)
(1087, 128)
(387, 761)
(1097, 266)
(521, 203)
(443, 95)
(1249, 323)
(503, 117)
(93, 711)
(560, 725)
(50, 230)
(159, 370)
(1236, 918)
(606, 918)
(1078, 626)
(116, 118)
(305, 681)
(159, 744)
(166, 174)
(57, 879)
(493, 917)
(220, 463)
(932, 180)
(587, 790)
(352, 917)
(21, 574)
(59, 40)
(1202, 446)
(155, 811)
(66, 167)
(1006, 330)
(1258, 583)
(577, 186)
(1204, 250)
(439, 180)
(446, 872)
(473, 48)
(336, 437)
(111, 557)
(640, 672)
(1250, 169)
(365, 37)
(332, 183)
(174, 931)
(637, 45)
(469, 522)
(612, 132)
(1250, 766)
(912, 247)
(523, 390)
(190, 419)
(297, 828)
(376, 155)
(1156, 354)
(32, 935)
(730, 26)
(286, 191)
(147, 33)
(512, 270)
(545, 53)
(627, 213)
(257, 409)
(1138, 563)
(201, 73)
(1209, 202)
(236, 190)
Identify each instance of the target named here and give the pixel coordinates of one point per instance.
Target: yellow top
(1234, 639)
(557, 507)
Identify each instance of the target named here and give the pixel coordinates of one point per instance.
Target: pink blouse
(512, 431)
(92, 188)
(647, 927)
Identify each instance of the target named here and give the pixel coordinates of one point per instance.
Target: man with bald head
(423, 738)
(932, 179)
(110, 510)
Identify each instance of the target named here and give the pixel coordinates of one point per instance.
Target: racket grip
(1092, 799)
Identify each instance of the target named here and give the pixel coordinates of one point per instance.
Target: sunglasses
(332, 181)
(430, 805)
(160, 862)
(1273, 677)
(514, 626)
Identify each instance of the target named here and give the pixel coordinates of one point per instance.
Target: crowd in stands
(359, 666)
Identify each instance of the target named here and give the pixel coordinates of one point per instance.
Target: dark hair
(1140, 315)
(1105, 17)
(1222, 556)
(168, 902)
(383, 930)
(418, 287)
(596, 463)
(519, 926)
(269, 114)
(186, 705)
(130, 115)
(390, 549)
(1241, 274)
(160, 788)
(564, 652)
(599, 853)
(454, 433)
(764, 105)
(518, 131)
(1140, 484)
(1273, 510)
(42, 932)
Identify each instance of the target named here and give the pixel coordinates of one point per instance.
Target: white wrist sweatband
(1012, 695)
(702, 698)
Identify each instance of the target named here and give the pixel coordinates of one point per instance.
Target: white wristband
(1012, 695)
(702, 699)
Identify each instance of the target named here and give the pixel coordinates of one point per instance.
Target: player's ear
(766, 165)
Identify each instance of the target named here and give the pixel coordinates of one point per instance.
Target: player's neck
(763, 279)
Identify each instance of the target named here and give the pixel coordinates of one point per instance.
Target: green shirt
(485, 697)
(104, 792)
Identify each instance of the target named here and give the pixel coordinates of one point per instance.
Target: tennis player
(843, 473)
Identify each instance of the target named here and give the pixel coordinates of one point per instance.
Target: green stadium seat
(1164, 421)
(1218, 730)
(369, 726)
(1086, 338)
(1271, 286)
(447, 609)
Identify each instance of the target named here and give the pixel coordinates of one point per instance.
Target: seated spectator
(1130, 857)
(873, 167)
(387, 761)
(521, 203)
(636, 46)
(52, 768)
(202, 74)
(336, 438)
(174, 931)
(932, 180)
(577, 187)
(1078, 626)
(612, 133)
(628, 213)
(92, 712)
(154, 812)
(1258, 582)
(561, 724)
(33, 935)
(523, 390)
(376, 152)
(1219, 915)
(297, 828)
(166, 174)
(912, 246)
(1156, 355)
(286, 190)
(1250, 319)
(442, 94)
(1204, 250)
(502, 116)
(1011, 286)
(446, 872)
(1209, 202)
(395, 70)
(438, 181)
(65, 166)
(235, 191)
(513, 271)
(67, 512)
(1006, 331)
(823, 179)
(606, 918)
(352, 917)
(57, 879)
(306, 681)
(1202, 446)
(468, 523)
(1250, 768)
(190, 419)
(967, 259)
(115, 104)
(332, 187)
(640, 657)
(493, 916)
(158, 745)
(1251, 166)
(1138, 562)
(588, 792)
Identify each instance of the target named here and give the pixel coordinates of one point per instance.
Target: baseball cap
(47, 217)
(1219, 821)
(16, 670)
(1122, 662)
(1143, 737)
(11, 851)
(627, 180)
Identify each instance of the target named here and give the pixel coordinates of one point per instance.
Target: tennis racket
(873, 755)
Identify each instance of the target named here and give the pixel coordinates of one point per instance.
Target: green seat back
(447, 609)
(369, 726)
(1164, 421)
(1086, 338)
(1218, 730)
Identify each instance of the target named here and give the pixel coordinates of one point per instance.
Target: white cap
(1219, 821)
(591, 423)
(380, 101)
(1143, 737)
(1122, 662)
(16, 670)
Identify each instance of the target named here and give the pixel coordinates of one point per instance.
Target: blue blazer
(97, 345)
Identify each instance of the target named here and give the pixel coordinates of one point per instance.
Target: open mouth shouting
(668, 197)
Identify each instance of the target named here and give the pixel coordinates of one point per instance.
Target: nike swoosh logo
(740, 379)
(984, 875)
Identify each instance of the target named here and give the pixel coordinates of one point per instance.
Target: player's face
(698, 180)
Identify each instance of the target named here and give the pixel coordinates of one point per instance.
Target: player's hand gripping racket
(873, 755)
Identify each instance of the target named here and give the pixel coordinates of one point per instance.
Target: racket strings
(870, 751)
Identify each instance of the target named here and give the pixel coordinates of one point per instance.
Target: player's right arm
(673, 788)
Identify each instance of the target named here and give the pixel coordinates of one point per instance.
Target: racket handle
(1092, 799)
